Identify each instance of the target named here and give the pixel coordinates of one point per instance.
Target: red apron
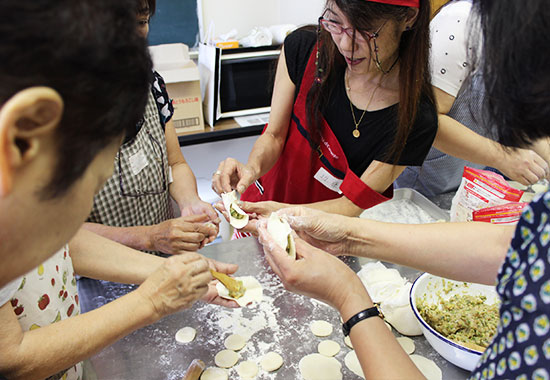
(293, 177)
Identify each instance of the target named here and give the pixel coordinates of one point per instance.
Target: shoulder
(8, 291)
(162, 99)
(449, 46)
(426, 115)
(298, 46)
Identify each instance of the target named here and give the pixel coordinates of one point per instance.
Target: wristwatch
(367, 313)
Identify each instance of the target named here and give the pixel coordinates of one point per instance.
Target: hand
(175, 236)
(315, 273)
(177, 284)
(255, 210)
(199, 207)
(320, 229)
(232, 174)
(211, 295)
(524, 166)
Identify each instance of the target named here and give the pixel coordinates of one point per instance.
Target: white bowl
(428, 284)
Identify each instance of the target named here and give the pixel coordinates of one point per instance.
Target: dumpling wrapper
(253, 293)
(230, 204)
(280, 231)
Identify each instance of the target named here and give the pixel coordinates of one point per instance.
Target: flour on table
(317, 366)
(398, 211)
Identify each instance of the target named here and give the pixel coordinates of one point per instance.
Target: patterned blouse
(163, 101)
(521, 348)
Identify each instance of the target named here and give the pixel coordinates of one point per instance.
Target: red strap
(360, 193)
(405, 3)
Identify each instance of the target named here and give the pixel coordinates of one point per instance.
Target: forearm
(184, 187)
(341, 206)
(444, 249)
(377, 350)
(137, 237)
(97, 257)
(457, 140)
(265, 153)
(50, 349)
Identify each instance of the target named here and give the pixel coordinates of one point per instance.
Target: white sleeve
(7, 292)
(449, 50)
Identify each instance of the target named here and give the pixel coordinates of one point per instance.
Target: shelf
(224, 129)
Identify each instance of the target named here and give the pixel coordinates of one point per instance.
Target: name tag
(138, 162)
(328, 180)
(170, 176)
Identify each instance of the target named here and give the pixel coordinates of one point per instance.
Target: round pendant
(356, 133)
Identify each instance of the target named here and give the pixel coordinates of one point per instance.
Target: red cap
(405, 3)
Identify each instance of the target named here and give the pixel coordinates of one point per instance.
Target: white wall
(243, 15)
(204, 159)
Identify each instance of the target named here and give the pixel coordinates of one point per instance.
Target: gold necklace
(356, 132)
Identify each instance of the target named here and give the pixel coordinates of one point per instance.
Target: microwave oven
(240, 80)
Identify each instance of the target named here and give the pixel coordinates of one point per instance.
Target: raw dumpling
(280, 231)
(253, 292)
(237, 217)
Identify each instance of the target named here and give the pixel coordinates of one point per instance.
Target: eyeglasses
(128, 182)
(334, 28)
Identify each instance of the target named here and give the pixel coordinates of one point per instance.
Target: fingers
(275, 255)
(226, 173)
(197, 218)
(223, 267)
(247, 178)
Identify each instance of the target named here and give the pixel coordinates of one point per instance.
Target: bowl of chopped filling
(458, 319)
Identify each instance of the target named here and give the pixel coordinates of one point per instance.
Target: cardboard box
(182, 83)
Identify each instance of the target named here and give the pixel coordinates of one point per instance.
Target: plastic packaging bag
(508, 213)
(480, 189)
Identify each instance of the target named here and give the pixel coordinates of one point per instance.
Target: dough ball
(234, 342)
(353, 364)
(272, 361)
(185, 335)
(321, 328)
(247, 369)
(347, 341)
(403, 320)
(226, 358)
(253, 293)
(428, 367)
(407, 344)
(328, 348)
(214, 373)
(317, 366)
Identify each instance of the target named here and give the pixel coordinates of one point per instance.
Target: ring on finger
(217, 172)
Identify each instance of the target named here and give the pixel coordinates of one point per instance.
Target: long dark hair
(515, 63)
(414, 73)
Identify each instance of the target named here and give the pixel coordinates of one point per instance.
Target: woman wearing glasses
(352, 107)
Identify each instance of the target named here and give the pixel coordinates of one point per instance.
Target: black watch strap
(367, 313)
